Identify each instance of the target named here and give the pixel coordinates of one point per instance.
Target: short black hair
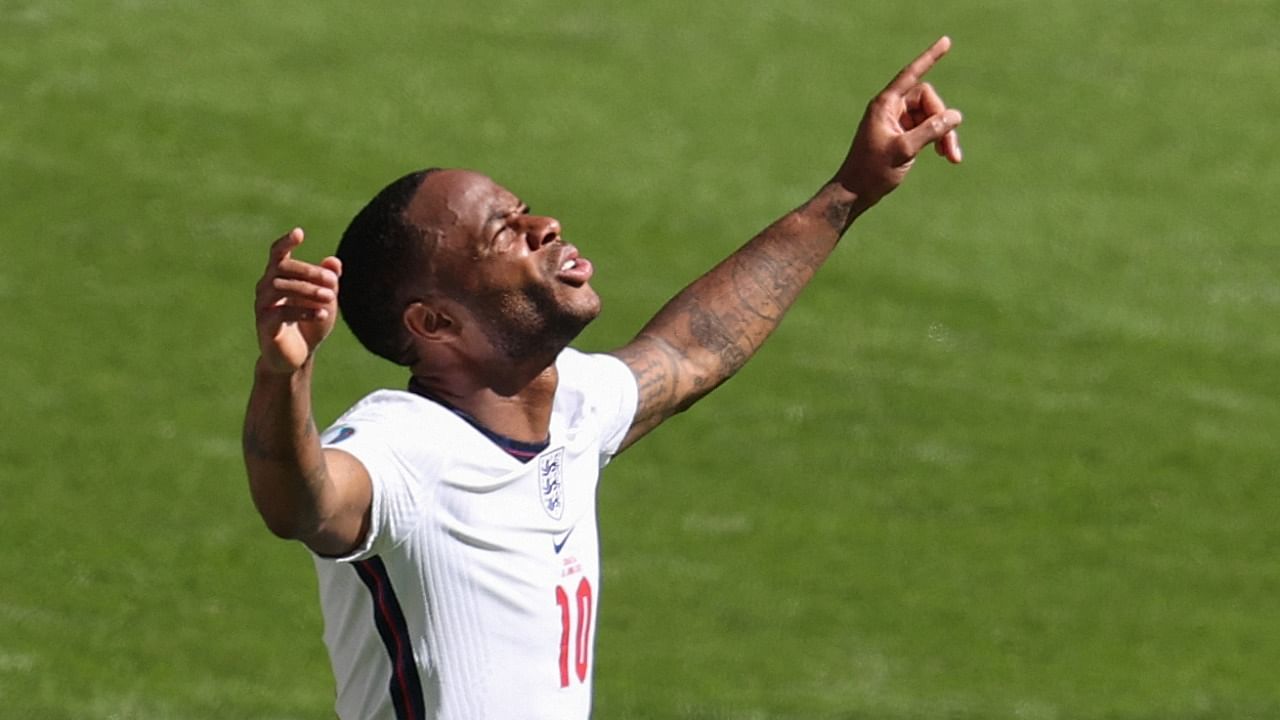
(382, 254)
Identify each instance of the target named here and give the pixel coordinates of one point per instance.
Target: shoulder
(389, 418)
(596, 390)
(591, 371)
(389, 406)
(384, 401)
(594, 381)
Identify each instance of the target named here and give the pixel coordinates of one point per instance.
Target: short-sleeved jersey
(475, 592)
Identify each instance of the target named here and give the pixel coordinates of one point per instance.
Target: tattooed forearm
(721, 331)
(759, 282)
(266, 445)
(288, 476)
(709, 330)
(840, 214)
(735, 307)
(770, 271)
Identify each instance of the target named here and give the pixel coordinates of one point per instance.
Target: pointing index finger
(912, 73)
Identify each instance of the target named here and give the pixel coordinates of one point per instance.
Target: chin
(585, 304)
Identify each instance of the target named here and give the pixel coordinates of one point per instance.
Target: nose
(540, 230)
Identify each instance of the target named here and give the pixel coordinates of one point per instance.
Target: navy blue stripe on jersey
(405, 686)
(522, 451)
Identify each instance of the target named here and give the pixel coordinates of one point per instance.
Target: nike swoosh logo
(560, 545)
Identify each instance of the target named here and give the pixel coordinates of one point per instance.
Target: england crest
(550, 482)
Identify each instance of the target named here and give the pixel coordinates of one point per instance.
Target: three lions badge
(550, 482)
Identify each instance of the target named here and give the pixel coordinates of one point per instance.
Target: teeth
(568, 264)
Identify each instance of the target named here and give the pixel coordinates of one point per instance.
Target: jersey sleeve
(368, 433)
(612, 394)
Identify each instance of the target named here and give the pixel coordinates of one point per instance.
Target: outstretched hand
(907, 116)
(296, 305)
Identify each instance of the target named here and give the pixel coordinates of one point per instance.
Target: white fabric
(469, 536)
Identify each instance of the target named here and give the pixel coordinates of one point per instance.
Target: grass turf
(1011, 456)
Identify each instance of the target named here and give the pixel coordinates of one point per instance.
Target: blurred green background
(1013, 455)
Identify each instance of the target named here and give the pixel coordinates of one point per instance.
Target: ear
(430, 321)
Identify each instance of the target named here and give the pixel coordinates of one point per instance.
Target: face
(528, 290)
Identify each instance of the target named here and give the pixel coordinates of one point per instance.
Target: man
(453, 525)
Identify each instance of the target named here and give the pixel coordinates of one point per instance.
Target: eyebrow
(500, 213)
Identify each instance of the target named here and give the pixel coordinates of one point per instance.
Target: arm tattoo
(264, 443)
(759, 282)
(271, 445)
(656, 366)
(839, 215)
(719, 331)
(708, 331)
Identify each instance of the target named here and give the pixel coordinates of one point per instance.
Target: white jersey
(475, 593)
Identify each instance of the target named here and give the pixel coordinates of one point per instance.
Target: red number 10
(582, 639)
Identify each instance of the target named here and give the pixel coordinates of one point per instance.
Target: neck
(518, 407)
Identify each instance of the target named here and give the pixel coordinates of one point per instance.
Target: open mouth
(574, 269)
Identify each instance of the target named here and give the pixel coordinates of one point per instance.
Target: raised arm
(709, 330)
(302, 492)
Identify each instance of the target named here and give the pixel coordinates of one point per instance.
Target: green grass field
(1014, 454)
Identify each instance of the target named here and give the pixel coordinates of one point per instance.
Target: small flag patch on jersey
(550, 476)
